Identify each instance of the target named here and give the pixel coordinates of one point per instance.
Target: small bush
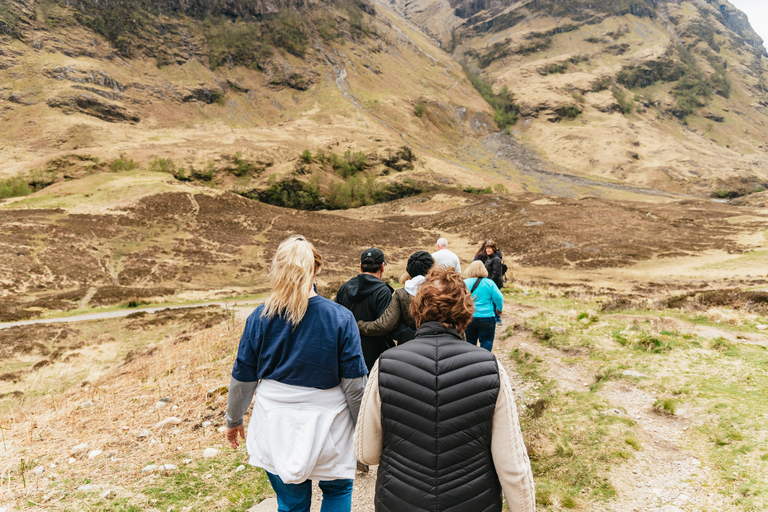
(568, 111)
(420, 109)
(626, 105)
(162, 165)
(578, 97)
(206, 174)
(554, 67)
(652, 343)
(476, 190)
(306, 156)
(348, 164)
(14, 187)
(601, 84)
(666, 406)
(123, 164)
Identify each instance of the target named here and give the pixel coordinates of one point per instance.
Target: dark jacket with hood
(367, 297)
(495, 272)
(438, 397)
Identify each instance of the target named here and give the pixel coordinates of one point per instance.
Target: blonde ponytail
(294, 267)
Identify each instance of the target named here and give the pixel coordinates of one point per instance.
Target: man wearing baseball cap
(367, 296)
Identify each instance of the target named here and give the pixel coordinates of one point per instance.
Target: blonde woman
(487, 299)
(300, 353)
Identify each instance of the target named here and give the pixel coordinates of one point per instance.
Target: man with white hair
(445, 257)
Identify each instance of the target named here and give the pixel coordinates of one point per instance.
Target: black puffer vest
(438, 394)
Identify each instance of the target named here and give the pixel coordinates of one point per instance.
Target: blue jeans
(337, 495)
(482, 329)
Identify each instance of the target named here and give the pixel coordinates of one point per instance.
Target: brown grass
(43, 430)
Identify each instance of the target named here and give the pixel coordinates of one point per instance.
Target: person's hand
(231, 436)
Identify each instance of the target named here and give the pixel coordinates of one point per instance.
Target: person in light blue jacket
(486, 296)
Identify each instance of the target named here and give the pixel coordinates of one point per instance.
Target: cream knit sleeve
(369, 440)
(509, 453)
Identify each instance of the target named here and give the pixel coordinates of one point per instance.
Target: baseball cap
(372, 255)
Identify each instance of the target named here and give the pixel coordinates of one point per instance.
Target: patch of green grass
(420, 109)
(666, 406)
(634, 443)
(572, 446)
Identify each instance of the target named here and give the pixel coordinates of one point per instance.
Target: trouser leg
(486, 332)
(471, 332)
(337, 495)
(291, 497)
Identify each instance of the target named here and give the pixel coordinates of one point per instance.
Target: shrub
(123, 164)
(578, 97)
(626, 105)
(420, 109)
(292, 193)
(401, 160)
(476, 190)
(666, 406)
(353, 192)
(601, 84)
(568, 111)
(14, 187)
(348, 164)
(162, 165)
(554, 67)
(306, 156)
(506, 109)
(204, 175)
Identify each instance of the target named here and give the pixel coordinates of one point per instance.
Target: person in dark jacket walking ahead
(367, 297)
(399, 310)
(439, 416)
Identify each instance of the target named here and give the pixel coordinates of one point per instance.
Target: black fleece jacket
(367, 297)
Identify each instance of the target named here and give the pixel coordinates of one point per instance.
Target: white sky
(757, 12)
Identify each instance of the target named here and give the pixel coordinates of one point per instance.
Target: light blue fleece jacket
(485, 297)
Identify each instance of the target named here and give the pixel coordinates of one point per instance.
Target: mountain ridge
(671, 79)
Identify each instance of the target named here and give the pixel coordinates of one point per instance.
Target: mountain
(593, 98)
(230, 92)
(666, 94)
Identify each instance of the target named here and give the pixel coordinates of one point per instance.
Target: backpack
(504, 269)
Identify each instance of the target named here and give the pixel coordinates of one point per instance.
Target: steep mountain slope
(202, 82)
(669, 94)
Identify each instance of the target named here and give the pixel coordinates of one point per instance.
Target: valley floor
(621, 411)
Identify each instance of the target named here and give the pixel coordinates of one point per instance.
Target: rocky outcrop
(93, 106)
(84, 76)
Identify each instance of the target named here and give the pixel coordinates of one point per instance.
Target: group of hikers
(385, 377)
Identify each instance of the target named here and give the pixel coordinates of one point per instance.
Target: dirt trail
(242, 310)
(665, 471)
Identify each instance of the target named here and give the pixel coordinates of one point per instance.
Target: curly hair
(443, 297)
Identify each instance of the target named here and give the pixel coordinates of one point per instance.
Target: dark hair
(486, 243)
(419, 264)
(443, 297)
(369, 266)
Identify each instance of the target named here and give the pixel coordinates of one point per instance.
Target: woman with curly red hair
(439, 417)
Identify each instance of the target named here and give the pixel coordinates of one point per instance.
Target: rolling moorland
(155, 153)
